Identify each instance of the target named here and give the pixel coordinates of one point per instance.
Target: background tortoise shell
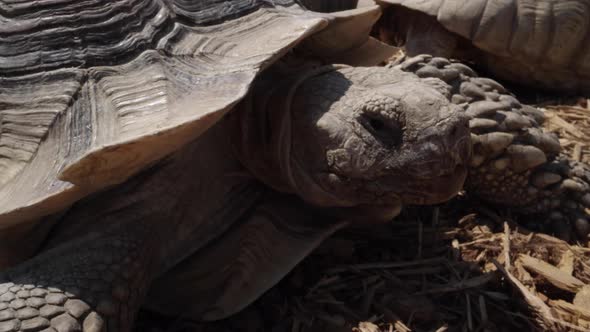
(543, 43)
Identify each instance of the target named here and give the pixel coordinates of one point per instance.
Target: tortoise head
(370, 139)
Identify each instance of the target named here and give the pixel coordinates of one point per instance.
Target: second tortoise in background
(536, 43)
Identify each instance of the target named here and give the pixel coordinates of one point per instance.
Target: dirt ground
(462, 266)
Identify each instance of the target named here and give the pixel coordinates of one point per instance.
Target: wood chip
(552, 274)
(566, 263)
(366, 327)
(582, 298)
(554, 121)
(506, 246)
(545, 317)
(571, 309)
(577, 153)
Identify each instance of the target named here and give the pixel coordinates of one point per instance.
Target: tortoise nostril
(386, 130)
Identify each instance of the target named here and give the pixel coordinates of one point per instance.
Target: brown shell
(93, 91)
(528, 40)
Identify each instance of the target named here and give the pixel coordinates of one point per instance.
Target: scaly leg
(515, 163)
(92, 284)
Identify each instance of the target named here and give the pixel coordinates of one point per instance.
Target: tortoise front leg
(250, 258)
(95, 283)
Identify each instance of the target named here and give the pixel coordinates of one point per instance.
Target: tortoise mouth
(437, 190)
(433, 191)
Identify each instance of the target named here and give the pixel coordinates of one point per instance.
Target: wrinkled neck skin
(262, 137)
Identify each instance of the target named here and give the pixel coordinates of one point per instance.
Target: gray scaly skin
(291, 164)
(514, 163)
